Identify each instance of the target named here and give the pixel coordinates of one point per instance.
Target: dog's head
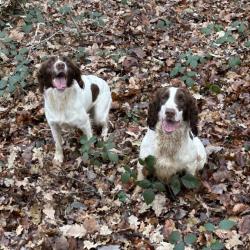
(172, 107)
(58, 72)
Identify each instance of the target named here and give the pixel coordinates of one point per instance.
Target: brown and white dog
(172, 134)
(69, 98)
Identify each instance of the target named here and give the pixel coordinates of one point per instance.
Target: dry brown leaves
(133, 45)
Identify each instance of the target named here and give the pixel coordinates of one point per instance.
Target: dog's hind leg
(86, 128)
(101, 114)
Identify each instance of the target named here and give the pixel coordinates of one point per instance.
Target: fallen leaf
(75, 230)
(239, 208)
(129, 62)
(61, 243)
(109, 247)
(159, 204)
(221, 175)
(8, 182)
(16, 35)
(133, 222)
(104, 230)
(12, 156)
(48, 196)
(38, 155)
(72, 243)
(139, 53)
(169, 62)
(156, 236)
(49, 211)
(164, 246)
(91, 225)
(89, 245)
(27, 154)
(23, 117)
(233, 241)
(19, 229)
(23, 182)
(244, 225)
(219, 189)
(169, 226)
(213, 149)
(35, 213)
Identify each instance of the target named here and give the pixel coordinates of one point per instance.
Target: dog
(171, 135)
(70, 98)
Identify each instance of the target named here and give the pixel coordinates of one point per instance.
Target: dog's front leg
(56, 133)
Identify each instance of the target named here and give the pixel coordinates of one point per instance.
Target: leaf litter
(134, 46)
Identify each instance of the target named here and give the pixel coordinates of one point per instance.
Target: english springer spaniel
(172, 135)
(70, 97)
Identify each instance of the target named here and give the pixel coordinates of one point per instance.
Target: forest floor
(137, 46)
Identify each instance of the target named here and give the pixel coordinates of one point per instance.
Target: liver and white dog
(172, 134)
(70, 97)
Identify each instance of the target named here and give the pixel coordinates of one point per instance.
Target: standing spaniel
(70, 97)
(172, 135)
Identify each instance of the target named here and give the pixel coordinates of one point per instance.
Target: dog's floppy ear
(191, 113)
(43, 77)
(75, 72)
(153, 110)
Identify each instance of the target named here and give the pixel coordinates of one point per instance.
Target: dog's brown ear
(153, 110)
(75, 72)
(193, 116)
(191, 113)
(43, 77)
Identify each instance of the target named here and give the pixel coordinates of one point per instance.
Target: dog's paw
(58, 158)
(104, 137)
(104, 134)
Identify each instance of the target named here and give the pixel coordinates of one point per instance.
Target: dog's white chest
(64, 108)
(165, 166)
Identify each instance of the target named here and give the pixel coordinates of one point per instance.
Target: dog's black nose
(60, 66)
(170, 113)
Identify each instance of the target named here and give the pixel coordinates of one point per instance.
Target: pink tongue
(59, 82)
(168, 126)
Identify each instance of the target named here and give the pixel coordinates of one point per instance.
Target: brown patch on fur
(74, 72)
(155, 106)
(186, 102)
(95, 91)
(46, 73)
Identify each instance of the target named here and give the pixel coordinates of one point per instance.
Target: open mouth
(60, 81)
(169, 126)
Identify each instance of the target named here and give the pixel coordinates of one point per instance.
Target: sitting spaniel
(70, 97)
(172, 135)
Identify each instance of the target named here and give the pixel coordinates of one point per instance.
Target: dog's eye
(165, 97)
(180, 98)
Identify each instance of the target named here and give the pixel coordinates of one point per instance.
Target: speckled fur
(176, 151)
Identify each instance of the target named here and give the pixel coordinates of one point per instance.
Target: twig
(46, 39)
(34, 38)
(77, 27)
